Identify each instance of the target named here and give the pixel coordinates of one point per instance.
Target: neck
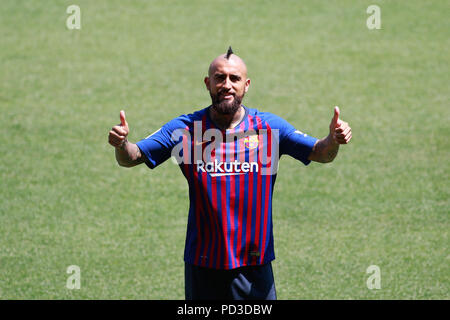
(227, 121)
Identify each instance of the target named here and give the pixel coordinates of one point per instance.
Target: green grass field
(65, 201)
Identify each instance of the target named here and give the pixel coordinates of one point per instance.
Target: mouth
(227, 96)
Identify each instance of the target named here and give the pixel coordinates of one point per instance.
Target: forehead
(231, 66)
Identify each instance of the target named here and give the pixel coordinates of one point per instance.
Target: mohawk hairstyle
(229, 52)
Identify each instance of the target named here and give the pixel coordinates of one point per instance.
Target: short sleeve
(158, 146)
(295, 143)
(298, 145)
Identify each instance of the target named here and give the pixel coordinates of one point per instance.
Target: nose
(227, 83)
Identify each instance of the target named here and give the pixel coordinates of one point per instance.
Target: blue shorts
(245, 283)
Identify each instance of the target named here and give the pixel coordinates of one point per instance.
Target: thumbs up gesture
(340, 131)
(118, 134)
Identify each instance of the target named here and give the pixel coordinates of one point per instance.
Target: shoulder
(272, 120)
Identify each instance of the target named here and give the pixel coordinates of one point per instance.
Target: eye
(219, 77)
(235, 78)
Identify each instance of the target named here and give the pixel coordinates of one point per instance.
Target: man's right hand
(127, 154)
(118, 134)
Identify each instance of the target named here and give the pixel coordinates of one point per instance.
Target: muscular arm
(129, 155)
(324, 150)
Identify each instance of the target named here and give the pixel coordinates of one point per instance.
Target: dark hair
(229, 52)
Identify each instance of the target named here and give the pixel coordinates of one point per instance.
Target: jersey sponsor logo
(200, 148)
(219, 168)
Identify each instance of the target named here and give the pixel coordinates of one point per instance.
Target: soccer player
(228, 154)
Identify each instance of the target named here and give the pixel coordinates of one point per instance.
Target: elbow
(322, 159)
(326, 160)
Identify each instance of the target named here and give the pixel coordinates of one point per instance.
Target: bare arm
(129, 155)
(324, 150)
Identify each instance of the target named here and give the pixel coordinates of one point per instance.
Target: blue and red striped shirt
(231, 175)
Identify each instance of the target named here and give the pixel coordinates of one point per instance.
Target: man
(230, 165)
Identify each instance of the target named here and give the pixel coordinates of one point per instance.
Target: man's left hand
(340, 131)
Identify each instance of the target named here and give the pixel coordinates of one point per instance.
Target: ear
(247, 85)
(206, 80)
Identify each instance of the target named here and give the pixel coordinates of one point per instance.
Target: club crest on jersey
(251, 142)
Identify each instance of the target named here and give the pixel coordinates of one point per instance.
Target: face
(227, 84)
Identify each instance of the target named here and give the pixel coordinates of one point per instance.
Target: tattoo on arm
(138, 153)
(332, 152)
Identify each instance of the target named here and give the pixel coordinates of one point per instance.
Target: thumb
(123, 122)
(335, 119)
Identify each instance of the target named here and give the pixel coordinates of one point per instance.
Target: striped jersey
(231, 176)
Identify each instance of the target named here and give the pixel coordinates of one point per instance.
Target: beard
(225, 107)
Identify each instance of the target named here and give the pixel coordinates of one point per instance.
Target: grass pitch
(64, 200)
